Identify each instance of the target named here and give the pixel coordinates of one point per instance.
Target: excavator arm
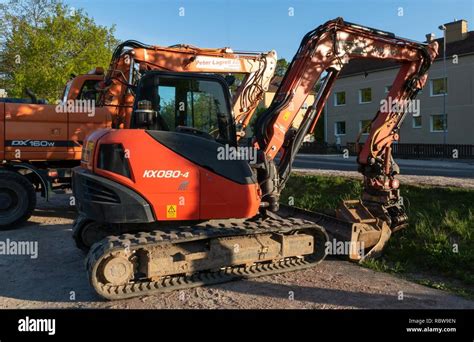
(321, 56)
(131, 58)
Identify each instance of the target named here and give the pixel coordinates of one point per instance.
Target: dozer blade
(353, 224)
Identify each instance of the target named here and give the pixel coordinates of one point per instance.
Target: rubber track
(109, 245)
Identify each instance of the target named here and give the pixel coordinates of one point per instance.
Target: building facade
(268, 98)
(358, 92)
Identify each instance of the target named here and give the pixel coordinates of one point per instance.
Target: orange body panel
(222, 198)
(193, 193)
(39, 132)
(81, 125)
(38, 123)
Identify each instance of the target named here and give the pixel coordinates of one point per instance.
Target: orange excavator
(184, 206)
(41, 142)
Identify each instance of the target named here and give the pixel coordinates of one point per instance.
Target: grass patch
(461, 291)
(440, 236)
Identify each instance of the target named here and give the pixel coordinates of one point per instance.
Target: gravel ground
(57, 279)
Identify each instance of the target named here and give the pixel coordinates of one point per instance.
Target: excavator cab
(181, 128)
(185, 102)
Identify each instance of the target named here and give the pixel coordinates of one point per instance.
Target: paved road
(457, 169)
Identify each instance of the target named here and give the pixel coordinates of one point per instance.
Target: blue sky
(261, 25)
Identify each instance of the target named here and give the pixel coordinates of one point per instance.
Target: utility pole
(326, 123)
(445, 83)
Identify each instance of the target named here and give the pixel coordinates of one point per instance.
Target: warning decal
(171, 211)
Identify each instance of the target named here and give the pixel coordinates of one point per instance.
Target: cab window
(170, 102)
(88, 91)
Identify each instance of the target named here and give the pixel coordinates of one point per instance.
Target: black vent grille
(94, 191)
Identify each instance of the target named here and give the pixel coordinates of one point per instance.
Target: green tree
(45, 42)
(282, 66)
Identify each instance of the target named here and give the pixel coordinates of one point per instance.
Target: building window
(438, 123)
(340, 128)
(365, 95)
(340, 98)
(364, 126)
(417, 121)
(388, 88)
(437, 87)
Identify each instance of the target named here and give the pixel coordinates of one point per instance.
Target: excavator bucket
(353, 225)
(368, 232)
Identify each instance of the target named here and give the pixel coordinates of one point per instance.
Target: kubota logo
(33, 143)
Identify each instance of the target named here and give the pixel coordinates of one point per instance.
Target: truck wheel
(17, 199)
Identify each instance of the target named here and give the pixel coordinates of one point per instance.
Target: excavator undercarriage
(151, 258)
(163, 260)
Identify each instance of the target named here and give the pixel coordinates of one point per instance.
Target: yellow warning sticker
(286, 115)
(171, 211)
